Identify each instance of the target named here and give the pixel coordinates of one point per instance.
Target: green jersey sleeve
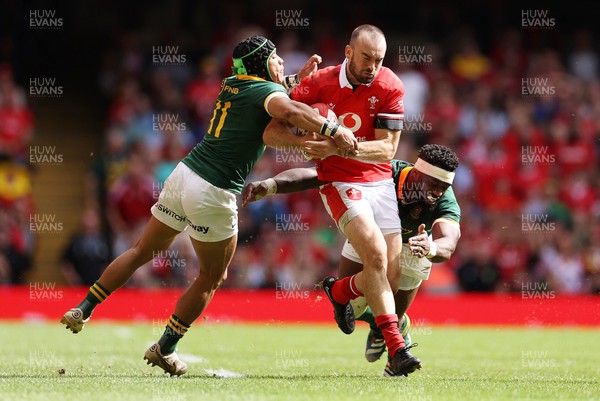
(233, 141)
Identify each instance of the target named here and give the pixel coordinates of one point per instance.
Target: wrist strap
(329, 128)
(291, 81)
(271, 186)
(432, 250)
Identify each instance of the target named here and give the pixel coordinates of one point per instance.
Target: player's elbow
(291, 114)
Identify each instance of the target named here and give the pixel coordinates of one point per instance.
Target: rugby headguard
(251, 57)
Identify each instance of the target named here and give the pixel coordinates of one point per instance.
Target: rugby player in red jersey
(359, 192)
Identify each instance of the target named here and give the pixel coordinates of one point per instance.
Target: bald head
(367, 32)
(365, 54)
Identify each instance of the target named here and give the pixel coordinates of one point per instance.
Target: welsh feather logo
(353, 194)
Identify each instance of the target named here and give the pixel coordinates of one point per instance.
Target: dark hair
(440, 156)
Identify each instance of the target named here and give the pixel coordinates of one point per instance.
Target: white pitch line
(224, 373)
(190, 358)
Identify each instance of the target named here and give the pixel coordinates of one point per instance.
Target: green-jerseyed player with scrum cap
(200, 194)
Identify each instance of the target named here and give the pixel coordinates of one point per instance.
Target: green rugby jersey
(233, 142)
(414, 214)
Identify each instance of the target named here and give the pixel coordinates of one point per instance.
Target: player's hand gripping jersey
(377, 105)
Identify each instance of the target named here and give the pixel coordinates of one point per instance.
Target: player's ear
(348, 52)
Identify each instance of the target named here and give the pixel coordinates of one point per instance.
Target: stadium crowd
(524, 120)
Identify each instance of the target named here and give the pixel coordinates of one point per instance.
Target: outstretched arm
(288, 181)
(445, 235)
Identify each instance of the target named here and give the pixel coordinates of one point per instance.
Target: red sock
(388, 324)
(345, 289)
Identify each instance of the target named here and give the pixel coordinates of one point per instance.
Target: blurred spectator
(468, 65)
(583, 59)
(129, 201)
(15, 254)
(561, 264)
(201, 94)
(87, 253)
(16, 121)
(479, 271)
(416, 89)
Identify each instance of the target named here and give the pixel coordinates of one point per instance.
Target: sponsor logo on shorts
(169, 212)
(353, 194)
(200, 229)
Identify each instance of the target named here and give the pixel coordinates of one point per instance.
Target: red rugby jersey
(377, 105)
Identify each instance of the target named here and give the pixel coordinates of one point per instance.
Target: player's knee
(213, 279)
(375, 262)
(139, 254)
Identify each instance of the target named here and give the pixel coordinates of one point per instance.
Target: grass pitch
(295, 362)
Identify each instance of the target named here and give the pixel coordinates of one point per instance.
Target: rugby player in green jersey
(200, 194)
(430, 218)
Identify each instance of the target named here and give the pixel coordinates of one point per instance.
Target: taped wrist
(329, 128)
(291, 81)
(271, 188)
(432, 250)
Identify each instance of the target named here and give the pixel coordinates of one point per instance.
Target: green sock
(369, 318)
(174, 331)
(95, 296)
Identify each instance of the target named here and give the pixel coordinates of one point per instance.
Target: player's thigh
(215, 257)
(155, 238)
(367, 239)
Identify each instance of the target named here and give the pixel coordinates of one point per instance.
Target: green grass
(278, 362)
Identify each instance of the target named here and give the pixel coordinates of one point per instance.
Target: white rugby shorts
(345, 200)
(188, 200)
